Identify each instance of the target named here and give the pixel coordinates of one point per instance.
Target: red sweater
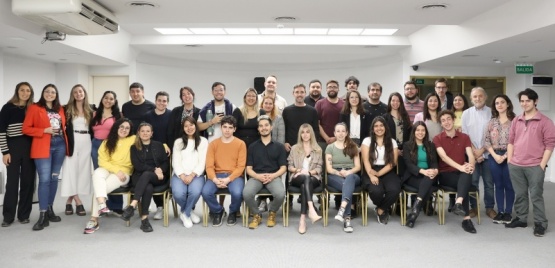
(34, 124)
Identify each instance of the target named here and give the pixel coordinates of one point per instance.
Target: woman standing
(343, 165)
(77, 168)
(114, 160)
(496, 140)
(379, 156)
(429, 115)
(16, 149)
(305, 168)
(422, 167)
(189, 160)
(45, 122)
(278, 129)
(104, 118)
(150, 169)
(399, 124)
(247, 118)
(459, 105)
(178, 114)
(355, 117)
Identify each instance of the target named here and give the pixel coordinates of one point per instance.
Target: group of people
(265, 146)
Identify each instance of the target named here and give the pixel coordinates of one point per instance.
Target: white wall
(18, 69)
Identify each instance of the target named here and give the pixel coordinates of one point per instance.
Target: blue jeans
(482, 169)
(346, 186)
(49, 171)
(504, 193)
(94, 151)
(235, 189)
(186, 195)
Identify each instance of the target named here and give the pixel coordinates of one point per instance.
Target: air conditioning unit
(542, 81)
(73, 17)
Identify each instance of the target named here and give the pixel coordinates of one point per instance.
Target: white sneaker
(195, 218)
(159, 214)
(186, 220)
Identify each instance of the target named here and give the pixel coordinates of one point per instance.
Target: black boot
(51, 216)
(451, 202)
(43, 222)
(415, 211)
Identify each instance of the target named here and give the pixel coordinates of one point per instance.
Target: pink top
(530, 139)
(102, 130)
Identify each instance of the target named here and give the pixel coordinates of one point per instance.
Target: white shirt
(218, 109)
(474, 124)
(188, 160)
(380, 157)
(354, 130)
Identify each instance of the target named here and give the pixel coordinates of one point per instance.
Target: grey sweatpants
(528, 182)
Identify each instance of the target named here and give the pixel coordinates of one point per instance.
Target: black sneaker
(458, 209)
(128, 212)
(468, 226)
(539, 230)
(384, 218)
(516, 223)
(217, 221)
(145, 226)
(507, 218)
(231, 219)
(499, 218)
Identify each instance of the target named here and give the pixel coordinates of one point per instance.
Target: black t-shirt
(266, 158)
(136, 113)
(294, 117)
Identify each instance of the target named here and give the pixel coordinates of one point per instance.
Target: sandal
(69, 209)
(80, 210)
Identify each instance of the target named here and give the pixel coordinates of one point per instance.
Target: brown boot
(256, 220)
(491, 213)
(271, 222)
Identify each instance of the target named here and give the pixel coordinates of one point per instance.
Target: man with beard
(329, 110)
(266, 162)
(315, 93)
(220, 107)
(445, 99)
(297, 114)
(351, 84)
(413, 104)
(271, 87)
(374, 106)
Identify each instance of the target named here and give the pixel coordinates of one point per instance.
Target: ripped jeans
(49, 171)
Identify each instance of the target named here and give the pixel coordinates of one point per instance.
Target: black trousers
(144, 188)
(460, 181)
(423, 184)
(307, 185)
(386, 192)
(20, 179)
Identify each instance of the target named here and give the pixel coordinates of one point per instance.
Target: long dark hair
(465, 106)
(402, 111)
(389, 157)
(413, 147)
(196, 135)
(347, 106)
(55, 103)
(15, 98)
(97, 119)
(425, 111)
(112, 140)
(349, 146)
(510, 114)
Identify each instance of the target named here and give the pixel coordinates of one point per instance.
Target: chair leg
(166, 213)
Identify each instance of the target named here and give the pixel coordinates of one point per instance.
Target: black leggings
(459, 181)
(144, 188)
(423, 184)
(307, 184)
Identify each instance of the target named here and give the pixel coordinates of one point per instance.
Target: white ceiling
(20, 37)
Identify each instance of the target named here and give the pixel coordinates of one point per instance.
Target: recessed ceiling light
(208, 31)
(469, 55)
(63, 59)
(193, 45)
(41, 54)
(497, 61)
(241, 31)
(276, 30)
(344, 31)
(142, 4)
(434, 7)
(285, 19)
(173, 30)
(311, 31)
(379, 31)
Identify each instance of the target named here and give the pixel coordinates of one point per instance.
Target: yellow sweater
(120, 159)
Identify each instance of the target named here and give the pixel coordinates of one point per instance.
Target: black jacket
(411, 167)
(364, 123)
(174, 126)
(139, 162)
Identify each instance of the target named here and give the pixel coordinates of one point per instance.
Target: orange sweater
(226, 158)
(34, 124)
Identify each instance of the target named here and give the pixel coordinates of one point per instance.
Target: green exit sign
(419, 81)
(524, 69)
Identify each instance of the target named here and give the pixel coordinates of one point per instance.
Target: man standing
(271, 87)
(315, 93)
(329, 110)
(266, 162)
(474, 122)
(413, 104)
(441, 90)
(219, 107)
(374, 106)
(297, 114)
(138, 106)
(225, 164)
(531, 142)
(454, 172)
(351, 84)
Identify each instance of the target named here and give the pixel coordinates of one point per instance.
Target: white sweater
(188, 160)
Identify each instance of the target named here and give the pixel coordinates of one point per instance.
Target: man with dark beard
(413, 104)
(329, 110)
(315, 93)
(351, 84)
(374, 106)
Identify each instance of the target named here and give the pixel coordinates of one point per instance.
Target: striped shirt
(11, 123)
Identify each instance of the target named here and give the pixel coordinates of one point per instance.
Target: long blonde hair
(313, 143)
(71, 107)
(244, 107)
(138, 142)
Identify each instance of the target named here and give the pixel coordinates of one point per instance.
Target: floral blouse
(497, 134)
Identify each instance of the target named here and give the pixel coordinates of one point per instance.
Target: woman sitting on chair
(151, 165)
(421, 167)
(305, 167)
(114, 160)
(379, 156)
(343, 165)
